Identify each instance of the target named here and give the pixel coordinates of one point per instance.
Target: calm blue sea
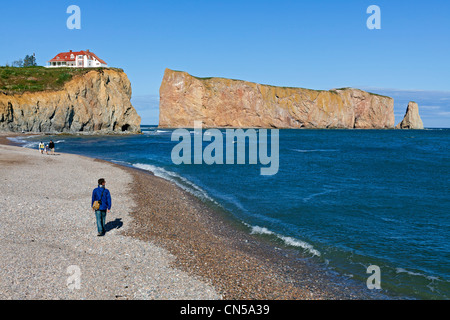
(346, 199)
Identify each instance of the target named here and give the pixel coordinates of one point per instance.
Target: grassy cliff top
(31, 79)
(332, 90)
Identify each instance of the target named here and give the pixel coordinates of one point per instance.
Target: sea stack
(219, 102)
(412, 118)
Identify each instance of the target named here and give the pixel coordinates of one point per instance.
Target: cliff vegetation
(15, 80)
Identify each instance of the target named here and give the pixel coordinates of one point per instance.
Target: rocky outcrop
(98, 101)
(219, 102)
(412, 118)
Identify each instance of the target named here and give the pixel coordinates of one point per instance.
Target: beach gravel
(48, 236)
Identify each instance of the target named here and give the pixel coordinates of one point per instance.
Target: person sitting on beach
(51, 145)
(103, 196)
(41, 147)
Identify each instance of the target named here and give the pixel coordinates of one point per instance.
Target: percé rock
(98, 101)
(219, 102)
(412, 118)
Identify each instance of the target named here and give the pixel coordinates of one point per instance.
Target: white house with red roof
(76, 59)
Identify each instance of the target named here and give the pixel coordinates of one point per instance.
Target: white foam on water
(287, 240)
(23, 142)
(314, 150)
(156, 132)
(261, 230)
(16, 139)
(180, 181)
(31, 144)
(302, 244)
(417, 274)
(306, 199)
(389, 220)
(120, 162)
(433, 279)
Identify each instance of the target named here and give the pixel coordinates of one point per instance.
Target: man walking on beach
(101, 202)
(51, 145)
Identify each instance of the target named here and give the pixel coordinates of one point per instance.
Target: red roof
(65, 56)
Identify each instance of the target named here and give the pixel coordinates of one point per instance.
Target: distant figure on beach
(46, 149)
(51, 145)
(101, 203)
(41, 147)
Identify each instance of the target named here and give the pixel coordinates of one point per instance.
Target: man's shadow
(116, 224)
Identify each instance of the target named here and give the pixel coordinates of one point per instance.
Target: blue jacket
(106, 199)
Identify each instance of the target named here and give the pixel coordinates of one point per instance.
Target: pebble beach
(48, 231)
(161, 241)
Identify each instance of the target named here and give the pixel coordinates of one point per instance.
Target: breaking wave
(290, 241)
(180, 181)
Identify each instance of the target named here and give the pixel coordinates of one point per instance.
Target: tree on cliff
(30, 61)
(18, 63)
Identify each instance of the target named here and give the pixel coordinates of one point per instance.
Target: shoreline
(240, 265)
(206, 245)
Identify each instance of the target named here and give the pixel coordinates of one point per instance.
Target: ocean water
(345, 199)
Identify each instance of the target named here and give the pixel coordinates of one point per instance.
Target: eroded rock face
(219, 102)
(98, 101)
(412, 118)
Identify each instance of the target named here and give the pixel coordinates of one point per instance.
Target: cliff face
(96, 101)
(222, 102)
(412, 118)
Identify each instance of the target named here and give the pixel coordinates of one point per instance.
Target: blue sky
(310, 44)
